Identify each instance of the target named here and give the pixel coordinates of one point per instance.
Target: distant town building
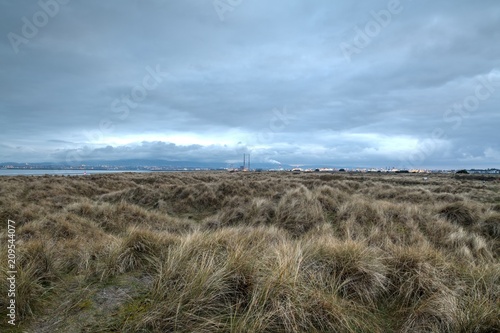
(484, 171)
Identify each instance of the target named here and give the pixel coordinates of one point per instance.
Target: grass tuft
(253, 252)
(459, 213)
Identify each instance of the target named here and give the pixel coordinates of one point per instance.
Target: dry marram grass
(254, 252)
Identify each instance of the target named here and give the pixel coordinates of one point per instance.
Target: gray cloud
(222, 80)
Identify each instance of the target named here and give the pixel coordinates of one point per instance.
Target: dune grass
(253, 252)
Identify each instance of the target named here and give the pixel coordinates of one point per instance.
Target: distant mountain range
(158, 165)
(134, 164)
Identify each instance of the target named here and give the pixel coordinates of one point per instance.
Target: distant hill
(134, 164)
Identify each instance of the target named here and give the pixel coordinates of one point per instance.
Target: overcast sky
(317, 82)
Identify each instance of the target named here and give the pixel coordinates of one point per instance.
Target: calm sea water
(11, 172)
